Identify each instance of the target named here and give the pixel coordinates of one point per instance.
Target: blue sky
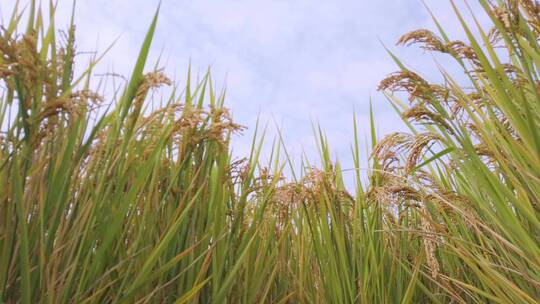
(292, 62)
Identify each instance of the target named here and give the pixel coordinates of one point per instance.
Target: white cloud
(295, 60)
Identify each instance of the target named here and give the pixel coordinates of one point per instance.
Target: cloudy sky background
(291, 62)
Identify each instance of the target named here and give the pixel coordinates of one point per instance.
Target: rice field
(105, 201)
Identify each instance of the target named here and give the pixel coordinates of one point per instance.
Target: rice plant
(477, 188)
(138, 200)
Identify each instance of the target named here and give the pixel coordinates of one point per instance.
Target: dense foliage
(113, 201)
